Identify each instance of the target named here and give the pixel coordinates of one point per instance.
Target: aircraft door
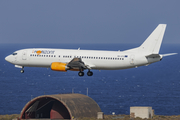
(15, 58)
(24, 55)
(132, 59)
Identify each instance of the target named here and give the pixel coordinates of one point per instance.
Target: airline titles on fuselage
(43, 51)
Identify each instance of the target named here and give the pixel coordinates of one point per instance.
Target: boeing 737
(80, 60)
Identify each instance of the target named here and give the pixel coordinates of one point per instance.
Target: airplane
(80, 60)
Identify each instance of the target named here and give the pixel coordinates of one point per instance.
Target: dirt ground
(127, 117)
(107, 117)
(8, 117)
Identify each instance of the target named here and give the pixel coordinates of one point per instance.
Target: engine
(58, 66)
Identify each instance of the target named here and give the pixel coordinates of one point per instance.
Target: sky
(87, 21)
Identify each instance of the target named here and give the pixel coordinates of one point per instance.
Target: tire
(22, 71)
(89, 73)
(81, 74)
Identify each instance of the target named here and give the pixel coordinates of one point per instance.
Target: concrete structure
(142, 112)
(100, 115)
(60, 106)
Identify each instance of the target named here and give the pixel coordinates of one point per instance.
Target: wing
(76, 64)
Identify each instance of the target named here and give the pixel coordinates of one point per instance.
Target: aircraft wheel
(22, 71)
(81, 73)
(89, 73)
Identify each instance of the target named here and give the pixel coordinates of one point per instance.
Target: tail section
(153, 43)
(151, 46)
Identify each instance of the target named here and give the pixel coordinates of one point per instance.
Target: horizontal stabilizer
(160, 55)
(168, 54)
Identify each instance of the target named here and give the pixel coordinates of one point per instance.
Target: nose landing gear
(22, 70)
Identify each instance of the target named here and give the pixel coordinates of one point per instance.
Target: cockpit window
(14, 54)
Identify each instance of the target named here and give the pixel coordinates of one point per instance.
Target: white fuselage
(95, 59)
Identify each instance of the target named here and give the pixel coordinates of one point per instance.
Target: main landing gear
(89, 73)
(22, 70)
(81, 73)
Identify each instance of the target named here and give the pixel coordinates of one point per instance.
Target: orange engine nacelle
(58, 66)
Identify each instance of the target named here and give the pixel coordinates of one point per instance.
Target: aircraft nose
(7, 58)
